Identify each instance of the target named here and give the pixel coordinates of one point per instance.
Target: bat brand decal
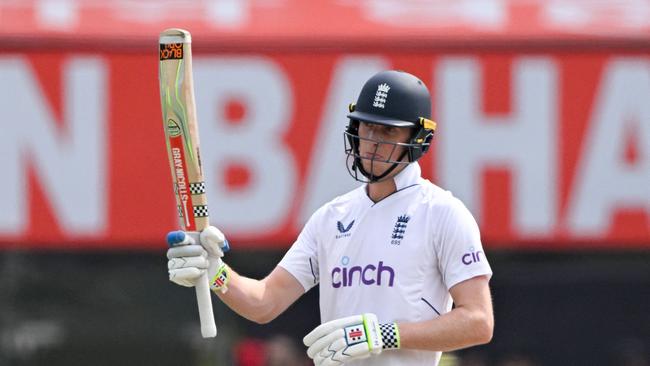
(171, 51)
(180, 174)
(173, 128)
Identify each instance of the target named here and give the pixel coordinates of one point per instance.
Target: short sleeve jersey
(396, 258)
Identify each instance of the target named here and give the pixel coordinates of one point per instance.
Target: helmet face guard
(411, 152)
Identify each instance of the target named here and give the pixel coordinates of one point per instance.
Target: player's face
(376, 146)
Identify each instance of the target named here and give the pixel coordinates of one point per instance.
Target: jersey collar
(408, 177)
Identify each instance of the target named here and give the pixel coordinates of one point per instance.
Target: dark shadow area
(108, 308)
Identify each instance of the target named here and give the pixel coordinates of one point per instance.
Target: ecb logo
(400, 229)
(471, 257)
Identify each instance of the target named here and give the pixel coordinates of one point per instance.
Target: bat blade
(182, 140)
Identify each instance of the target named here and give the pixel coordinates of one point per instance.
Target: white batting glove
(342, 340)
(191, 254)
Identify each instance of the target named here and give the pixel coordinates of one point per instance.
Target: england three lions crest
(400, 229)
(381, 96)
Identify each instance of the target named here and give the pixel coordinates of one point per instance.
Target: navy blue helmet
(391, 98)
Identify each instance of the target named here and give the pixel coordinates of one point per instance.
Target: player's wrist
(218, 276)
(390, 336)
(372, 333)
(380, 337)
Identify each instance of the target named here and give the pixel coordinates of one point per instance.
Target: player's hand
(191, 254)
(351, 338)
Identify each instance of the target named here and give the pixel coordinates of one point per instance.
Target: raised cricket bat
(182, 137)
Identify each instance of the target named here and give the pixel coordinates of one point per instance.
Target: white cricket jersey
(396, 258)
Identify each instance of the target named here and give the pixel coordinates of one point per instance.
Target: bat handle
(204, 301)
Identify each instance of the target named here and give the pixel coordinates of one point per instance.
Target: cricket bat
(182, 138)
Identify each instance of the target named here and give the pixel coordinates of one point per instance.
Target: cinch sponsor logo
(471, 257)
(367, 275)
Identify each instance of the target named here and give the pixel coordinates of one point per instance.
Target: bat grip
(204, 301)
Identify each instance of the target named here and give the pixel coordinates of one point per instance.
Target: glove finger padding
(214, 241)
(332, 349)
(327, 328)
(184, 283)
(188, 262)
(322, 343)
(340, 352)
(185, 276)
(186, 251)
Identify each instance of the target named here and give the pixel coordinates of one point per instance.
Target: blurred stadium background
(543, 110)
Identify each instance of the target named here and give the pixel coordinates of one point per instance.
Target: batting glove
(351, 338)
(191, 254)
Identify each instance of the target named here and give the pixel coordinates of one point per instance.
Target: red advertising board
(542, 108)
(548, 148)
(324, 23)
